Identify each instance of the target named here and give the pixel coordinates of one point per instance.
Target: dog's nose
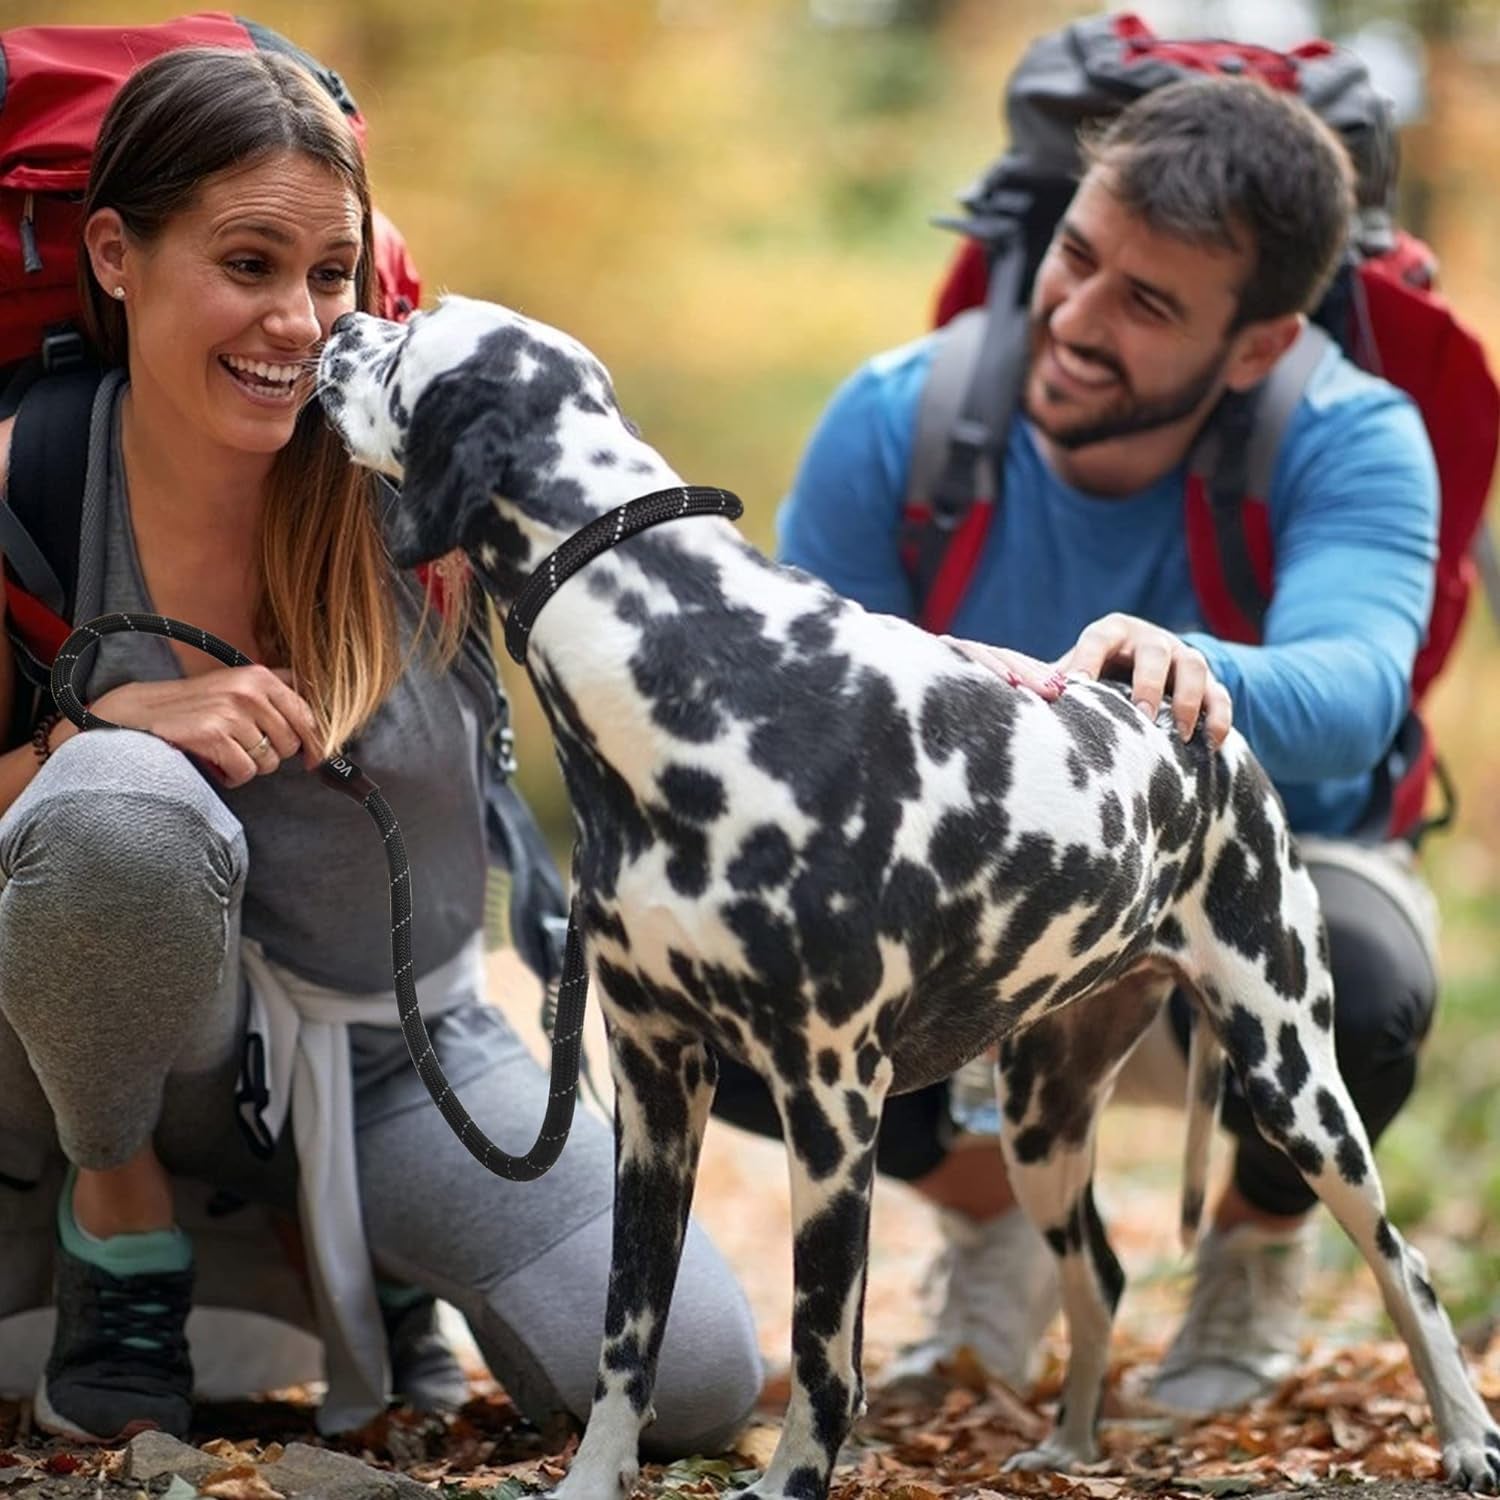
(341, 322)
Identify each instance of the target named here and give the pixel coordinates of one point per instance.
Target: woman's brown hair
(328, 587)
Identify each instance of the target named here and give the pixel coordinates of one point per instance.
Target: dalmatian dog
(826, 843)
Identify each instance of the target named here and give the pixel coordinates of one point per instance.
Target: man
(1210, 217)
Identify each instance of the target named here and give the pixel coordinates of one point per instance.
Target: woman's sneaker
(119, 1362)
(425, 1372)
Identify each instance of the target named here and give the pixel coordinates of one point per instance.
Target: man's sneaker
(994, 1290)
(1239, 1338)
(425, 1373)
(119, 1362)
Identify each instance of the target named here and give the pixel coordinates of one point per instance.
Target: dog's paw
(1053, 1455)
(1474, 1463)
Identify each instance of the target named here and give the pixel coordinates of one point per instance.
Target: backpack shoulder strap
(963, 417)
(948, 377)
(49, 455)
(41, 531)
(1229, 482)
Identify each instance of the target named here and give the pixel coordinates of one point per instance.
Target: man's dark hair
(1233, 162)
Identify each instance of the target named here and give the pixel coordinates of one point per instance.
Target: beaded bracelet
(41, 734)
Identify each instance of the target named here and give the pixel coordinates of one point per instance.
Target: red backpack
(56, 82)
(1381, 309)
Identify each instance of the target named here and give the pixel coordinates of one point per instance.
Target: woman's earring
(120, 293)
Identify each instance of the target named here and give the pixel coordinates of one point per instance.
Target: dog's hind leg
(1273, 1011)
(1053, 1080)
(830, 1132)
(663, 1088)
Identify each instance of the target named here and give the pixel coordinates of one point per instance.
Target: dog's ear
(457, 454)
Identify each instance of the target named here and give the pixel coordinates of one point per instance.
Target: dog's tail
(1204, 1087)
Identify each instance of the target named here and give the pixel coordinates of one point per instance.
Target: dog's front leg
(831, 1154)
(663, 1089)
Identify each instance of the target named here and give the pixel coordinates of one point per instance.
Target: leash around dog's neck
(344, 776)
(598, 537)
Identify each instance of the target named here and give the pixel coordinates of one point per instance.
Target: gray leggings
(121, 1016)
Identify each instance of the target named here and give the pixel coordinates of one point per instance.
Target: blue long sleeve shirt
(1353, 513)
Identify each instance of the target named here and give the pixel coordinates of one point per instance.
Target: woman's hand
(241, 722)
(1018, 669)
(1157, 663)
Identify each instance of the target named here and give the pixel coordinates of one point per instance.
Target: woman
(146, 910)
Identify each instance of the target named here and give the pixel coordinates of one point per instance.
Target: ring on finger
(260, 747)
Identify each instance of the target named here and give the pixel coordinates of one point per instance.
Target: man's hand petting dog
(1158, 664)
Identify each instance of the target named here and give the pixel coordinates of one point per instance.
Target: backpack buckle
(63, 349)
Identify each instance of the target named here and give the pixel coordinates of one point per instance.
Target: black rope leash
(600, 535)
(343, 775)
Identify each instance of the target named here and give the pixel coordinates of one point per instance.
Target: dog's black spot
(693, 793)
(1057, 1241)
(867, 1062)
(1322, 1012)
(1107, 1268)
(1036, 1054)
(961, 843)
(1034, 993)
(1425, 1291)
(1244, 897)
(813, 1137)
(687, 868)
(829, 1066)
(862, 1121)
(603, 923)
(1353, 1165)
(805, 1483)
(1272, 1109)
(1170, 935)
(1385, 1239)
(1140, 815)
(1245, 1039)
(1293, 1071)
(812, 633)
(1306, 1156)
(1111, 819)
(1091, 729)
(764, 860)
(604, 458)
(1331, 1114)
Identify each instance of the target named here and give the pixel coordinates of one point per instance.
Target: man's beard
(1128, 414)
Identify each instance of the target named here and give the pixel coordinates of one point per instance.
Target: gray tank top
(317, 896)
